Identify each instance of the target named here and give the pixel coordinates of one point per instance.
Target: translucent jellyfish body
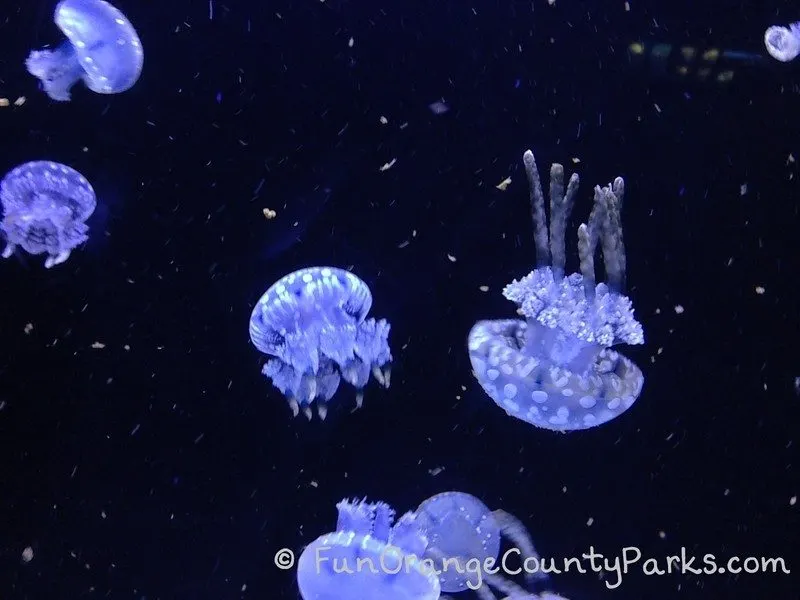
(45, 206)
(367, 557)
(313, 323)
(102, 49)
(783, 43)
(463, 534)
(556, 369)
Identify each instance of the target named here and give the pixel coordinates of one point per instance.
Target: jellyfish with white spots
(313, 323)
(102, 49)
(783, 43)
(463, 534)
(556, 369)
(45, 208)
(368, 556)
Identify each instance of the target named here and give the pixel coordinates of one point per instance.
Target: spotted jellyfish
(463, 534)
(102, 49)
(313, 323)
(783, 43)
(45, 208)
(368, 556)
(556, 369)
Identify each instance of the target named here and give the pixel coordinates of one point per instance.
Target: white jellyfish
(783, 43)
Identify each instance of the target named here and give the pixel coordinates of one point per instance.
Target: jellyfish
(783, 43)
(368, 556)
(463, 532)
(313, 323)
(102, 49)
(556, 369)
(45, 206)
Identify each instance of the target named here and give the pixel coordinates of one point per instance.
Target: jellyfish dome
(783, 43)
(102, 48)
(313, 323)
(45, 206)
(556, 369)
(368, 556)
(460, 528)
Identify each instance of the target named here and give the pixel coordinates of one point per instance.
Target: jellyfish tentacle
(537, 210)
(514, 530)
(611, 238)
(504, 585)
(483, 592)
(586, 246)
(560, 209)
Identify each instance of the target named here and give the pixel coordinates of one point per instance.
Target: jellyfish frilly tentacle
(556, 369)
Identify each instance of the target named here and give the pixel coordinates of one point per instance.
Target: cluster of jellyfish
(450, 544)
(46, 204)
(555, 369)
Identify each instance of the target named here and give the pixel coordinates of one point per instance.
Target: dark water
(163, 465)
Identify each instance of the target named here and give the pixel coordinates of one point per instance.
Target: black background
(165, 466)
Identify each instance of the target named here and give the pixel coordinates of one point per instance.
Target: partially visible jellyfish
(102, 49)
(368, 556)
(313, 322)
(783, 43)
(556, 369)
(45, 206)
(463, 534)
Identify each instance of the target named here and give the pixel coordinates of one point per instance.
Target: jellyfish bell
(461, 530)
(783, 43)
(45, 206)
(102, 49)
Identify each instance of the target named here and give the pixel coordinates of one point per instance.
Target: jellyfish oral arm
(57, 69)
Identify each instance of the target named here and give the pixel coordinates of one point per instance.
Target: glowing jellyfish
(102, 49)
(45, 206)
(313, 322)
(367, 557)
(555, 369)
(783, 43)
(463, 533)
